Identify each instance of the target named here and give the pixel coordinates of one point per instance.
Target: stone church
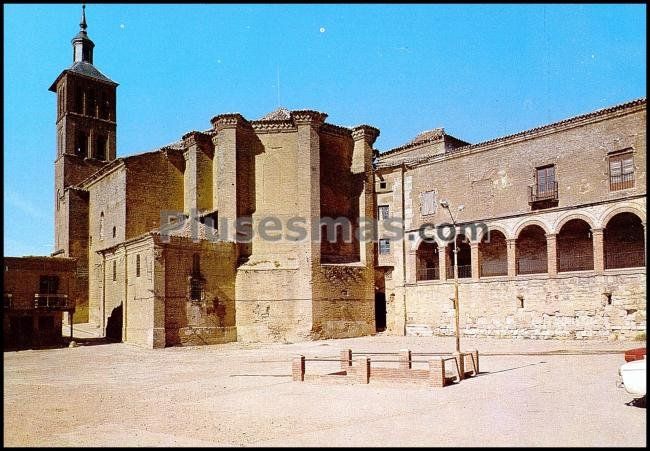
(560, 252)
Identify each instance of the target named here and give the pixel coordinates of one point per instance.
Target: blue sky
(479, 71)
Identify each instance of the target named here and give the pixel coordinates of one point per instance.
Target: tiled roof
(428, 135)
(281, 114)
(87, 69)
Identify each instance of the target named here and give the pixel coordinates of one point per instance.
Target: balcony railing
(544, 192)
(532, 266)
(52, 301)
(622, 181)
(464, 271)
(575, 262)
(494, 268)
(428, 274)
(625, 259)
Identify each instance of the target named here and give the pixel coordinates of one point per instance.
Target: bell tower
(85, 142)
(86, 105)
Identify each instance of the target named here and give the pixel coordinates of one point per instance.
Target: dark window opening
(114, 231)
(100, 147)
(81, 144)
(137, 265)
(48, 285)
(428, 262)
(196, 289)
(79, 102)
(384, 247)
(114, 271)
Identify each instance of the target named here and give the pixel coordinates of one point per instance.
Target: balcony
(622, 181)
(543, 195)
(52, 302)
(428, 274)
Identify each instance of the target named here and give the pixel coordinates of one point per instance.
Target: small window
(621, 171)
(114, 231)
(383, 184)
(384, 246)
(383, 212)
(137, 265)
(101, 226)
(114, 271)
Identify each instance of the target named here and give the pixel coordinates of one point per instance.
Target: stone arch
(499, 228)
(427, 260)
(613, 211)
(574, 245)
(531, 248)
(564, 218)
(526, 222)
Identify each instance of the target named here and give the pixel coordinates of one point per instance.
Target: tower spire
(81, 43)
(83, 24)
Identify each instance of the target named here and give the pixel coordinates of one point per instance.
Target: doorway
(380, 311)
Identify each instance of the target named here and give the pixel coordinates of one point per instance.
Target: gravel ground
(528, 394)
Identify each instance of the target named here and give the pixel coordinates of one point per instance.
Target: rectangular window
(48, 285)
(382, 185)
(114, 271)
(621, 171)
(546, 181)
(137, 265)
(428, 203)
(384, 247)
(382, 212)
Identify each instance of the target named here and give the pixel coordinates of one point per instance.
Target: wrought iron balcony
(543, 193)
(52, 302)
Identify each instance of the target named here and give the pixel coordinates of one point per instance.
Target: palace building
(550, 239)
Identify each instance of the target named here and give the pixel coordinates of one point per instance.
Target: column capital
(366, 133)
(597, 230)
(228, 120)
(307, 117)
(551, 236)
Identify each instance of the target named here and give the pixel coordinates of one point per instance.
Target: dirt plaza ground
(529, 393)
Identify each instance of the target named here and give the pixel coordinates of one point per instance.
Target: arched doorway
(624, 242)
(493, 254)
(464, 258)
(530, 250)
(575, 247)
(428, 263)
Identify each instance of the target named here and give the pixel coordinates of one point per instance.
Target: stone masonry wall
(570, 306)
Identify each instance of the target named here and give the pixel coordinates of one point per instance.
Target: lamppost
(445, 204)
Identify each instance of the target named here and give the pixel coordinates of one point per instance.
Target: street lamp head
(444, 204)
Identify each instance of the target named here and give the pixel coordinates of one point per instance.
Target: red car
(634, 354)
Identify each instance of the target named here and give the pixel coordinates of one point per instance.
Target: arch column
(475, 262)
(551, 254)
(442, 261)
(512, 257)
(599, 250)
